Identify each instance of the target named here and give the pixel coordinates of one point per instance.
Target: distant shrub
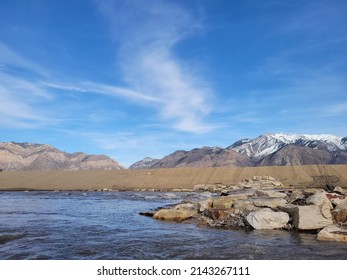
(324, 176)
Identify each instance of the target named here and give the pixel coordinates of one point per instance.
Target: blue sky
(143, 78)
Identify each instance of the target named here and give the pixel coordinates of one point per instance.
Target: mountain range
(266, 150)
(29, 156)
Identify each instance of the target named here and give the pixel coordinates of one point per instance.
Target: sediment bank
(166, 179)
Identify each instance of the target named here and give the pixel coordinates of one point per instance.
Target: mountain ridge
(267, 149)
(26, 156)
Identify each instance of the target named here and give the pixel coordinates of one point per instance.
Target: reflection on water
(106, 225)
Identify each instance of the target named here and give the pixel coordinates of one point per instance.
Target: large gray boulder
(308, 217)
(267, 219)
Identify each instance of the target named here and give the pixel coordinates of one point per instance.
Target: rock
(219, 214)
(247, 185)
(339, 190)
(185, 206)
(269, 202)
(245, 205)
(201, 206)
(174, 214)
(308, 217)
(242, 195)
(213, 188)
(267, 219)
(340, 216)
(342, 204)
(337, 199)
(148, 214)
(270, 193)
(332, 233)
(296, 195)
(320, 199)
(223, 202)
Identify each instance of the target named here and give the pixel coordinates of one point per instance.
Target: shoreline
(165, 179)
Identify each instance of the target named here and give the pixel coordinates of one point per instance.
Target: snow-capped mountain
(146, 163)
(270, 143)
(267, 149)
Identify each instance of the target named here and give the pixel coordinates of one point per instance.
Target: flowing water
(106, 225)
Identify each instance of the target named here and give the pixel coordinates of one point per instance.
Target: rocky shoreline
(265, 203)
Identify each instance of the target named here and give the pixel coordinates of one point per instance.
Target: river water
(106, 225)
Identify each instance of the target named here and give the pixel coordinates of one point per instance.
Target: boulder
(245, 205)
(332, 233)
(271, 193)
(320, 199)
(223, 202)
(185, 206)
(296, 195)
(337, 199)
(248, 185)
(242, 195)
(269, 202)
(267, 219)
(339, 190)
(308, 217)
(340, 216)
(176, 215)
(204, 204)
(219, 214)
(342, 204)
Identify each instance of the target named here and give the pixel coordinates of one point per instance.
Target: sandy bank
(163, 179)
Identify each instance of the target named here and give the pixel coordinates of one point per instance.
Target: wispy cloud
(147, 34)
(9, 58)
(109, 90)
(19, 94)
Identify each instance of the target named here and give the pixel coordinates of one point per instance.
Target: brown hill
(28, 156)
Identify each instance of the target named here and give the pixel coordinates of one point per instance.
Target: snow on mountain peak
(269, 143)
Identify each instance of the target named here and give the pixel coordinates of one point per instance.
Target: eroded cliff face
(29, 156)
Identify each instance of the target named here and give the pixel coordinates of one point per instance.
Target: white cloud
(92, 87)
(18, 102)
(147, 34)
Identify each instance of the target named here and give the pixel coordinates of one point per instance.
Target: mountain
(29, 156)
(146, 163)
(265, 150)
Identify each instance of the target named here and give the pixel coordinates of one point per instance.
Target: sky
(139, 78)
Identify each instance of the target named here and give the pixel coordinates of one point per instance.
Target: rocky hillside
(265, 150)
(28, 156)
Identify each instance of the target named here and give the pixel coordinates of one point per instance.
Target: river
(107, 225)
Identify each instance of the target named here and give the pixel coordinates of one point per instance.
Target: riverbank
(166, 179)
(263, 203)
